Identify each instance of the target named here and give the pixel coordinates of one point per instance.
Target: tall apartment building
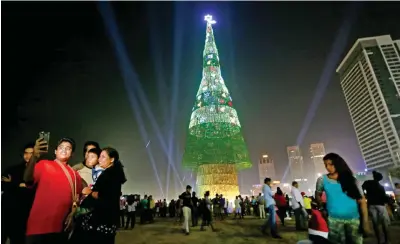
(317, 152)
(295, 163)
(266, 168)
(370, 79)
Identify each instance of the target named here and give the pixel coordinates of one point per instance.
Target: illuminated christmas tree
(215, 147)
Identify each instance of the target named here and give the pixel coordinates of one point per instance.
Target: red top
(280, 200)
(53, 199)
(317, 221)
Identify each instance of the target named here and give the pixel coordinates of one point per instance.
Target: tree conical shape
(214, 136)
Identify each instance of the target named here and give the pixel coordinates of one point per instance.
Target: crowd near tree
(47, 201)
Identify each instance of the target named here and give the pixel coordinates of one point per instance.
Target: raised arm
(30, 170)
(39, 148)
(364, 210)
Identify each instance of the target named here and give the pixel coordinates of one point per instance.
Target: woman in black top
(100, 224)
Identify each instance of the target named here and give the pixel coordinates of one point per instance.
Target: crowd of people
(338, 213)
(47, 201)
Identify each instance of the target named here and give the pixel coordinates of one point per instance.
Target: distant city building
(370, 79)
(317, 151)
(295, 163)
(256, 190)
(363, 176)
(266, 168)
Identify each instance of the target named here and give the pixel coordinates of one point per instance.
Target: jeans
(271, 221)
(380, 216)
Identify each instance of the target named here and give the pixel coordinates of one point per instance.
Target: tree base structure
(218, 179)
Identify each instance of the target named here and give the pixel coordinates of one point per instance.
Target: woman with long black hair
(281, 204)
(100, 225)
(346, 205)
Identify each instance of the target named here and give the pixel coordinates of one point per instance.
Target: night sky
(60, 73)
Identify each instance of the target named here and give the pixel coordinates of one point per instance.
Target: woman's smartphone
(45, 136)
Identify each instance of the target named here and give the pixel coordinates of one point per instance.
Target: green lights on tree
(214, 135)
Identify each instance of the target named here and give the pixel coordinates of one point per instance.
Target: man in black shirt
(195, 212)
(16, 200)
(187, 206)
(377, 200)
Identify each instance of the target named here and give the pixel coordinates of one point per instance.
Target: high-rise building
(266, 168)
(295, 163)
(397, 45)
(370, 79)
(317, 151)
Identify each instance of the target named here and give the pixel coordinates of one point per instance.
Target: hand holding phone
(45, 136)
(42, 144)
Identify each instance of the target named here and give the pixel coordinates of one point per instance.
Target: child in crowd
(317, 226)
(84, 206)
(96, 172)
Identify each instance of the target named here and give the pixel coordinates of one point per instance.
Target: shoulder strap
(71, 183)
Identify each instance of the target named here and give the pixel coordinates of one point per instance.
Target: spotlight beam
(168, 180)
(177, 48)
(111, 26)
(156, 53)
(329, 69)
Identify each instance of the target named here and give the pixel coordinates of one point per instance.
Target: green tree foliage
(214, 135)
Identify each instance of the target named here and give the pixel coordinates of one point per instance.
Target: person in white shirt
(261, 206)
(122, 208)
(226, 212)
(270, 208)
(131, 214)
(238, 208)
(300, 213)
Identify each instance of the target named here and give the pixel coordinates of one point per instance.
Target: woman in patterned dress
(345, 202)
(100, 225)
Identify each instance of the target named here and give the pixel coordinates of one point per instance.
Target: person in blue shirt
(270, 209)
(345, 202)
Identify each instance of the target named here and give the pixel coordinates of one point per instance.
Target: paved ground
(166, 231)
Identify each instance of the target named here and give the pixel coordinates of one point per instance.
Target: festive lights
(218, 179)
(215, 146)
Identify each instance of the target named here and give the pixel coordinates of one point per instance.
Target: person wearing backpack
(261, 206)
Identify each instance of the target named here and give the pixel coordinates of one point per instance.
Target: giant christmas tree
(215, 147)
